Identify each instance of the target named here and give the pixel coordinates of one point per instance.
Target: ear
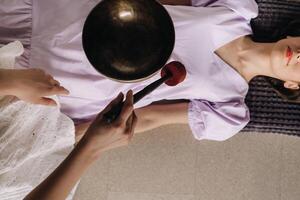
(291, 85)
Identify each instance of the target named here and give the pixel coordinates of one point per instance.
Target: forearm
(176, 2)
(59, 184)
(152, 116)
(157, 115)
(80, 130)
(5, 83)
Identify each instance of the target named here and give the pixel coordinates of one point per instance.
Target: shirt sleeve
(245, 8)
(217, 121)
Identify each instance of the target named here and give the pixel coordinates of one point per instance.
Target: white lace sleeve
(9, 52)
(34, 139)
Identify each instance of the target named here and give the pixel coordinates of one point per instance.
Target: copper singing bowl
(128, 40)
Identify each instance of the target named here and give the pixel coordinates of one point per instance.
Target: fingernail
(67, 91)
(129, 92)
(119, 95)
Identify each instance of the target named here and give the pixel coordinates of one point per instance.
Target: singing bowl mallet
(172, 74)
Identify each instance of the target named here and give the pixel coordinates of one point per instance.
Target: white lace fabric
(34, 139)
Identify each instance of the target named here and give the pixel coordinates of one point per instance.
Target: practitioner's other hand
(33, 86)
(102, 136)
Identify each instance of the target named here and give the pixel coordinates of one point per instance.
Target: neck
(248, 58)
(254, 58)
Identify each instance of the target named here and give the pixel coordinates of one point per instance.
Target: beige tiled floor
(168, 164)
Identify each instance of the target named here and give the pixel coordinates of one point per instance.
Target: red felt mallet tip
(177, 70)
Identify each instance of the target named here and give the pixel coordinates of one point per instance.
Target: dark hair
(287, 94)
(292, 29)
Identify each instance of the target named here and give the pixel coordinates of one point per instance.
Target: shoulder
(217, 121)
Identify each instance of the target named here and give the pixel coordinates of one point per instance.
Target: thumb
(114, 102)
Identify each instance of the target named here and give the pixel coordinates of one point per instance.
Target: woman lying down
(212, 41)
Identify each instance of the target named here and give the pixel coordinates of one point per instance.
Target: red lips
(289, 55)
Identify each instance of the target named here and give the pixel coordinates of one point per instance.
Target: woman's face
(285, 61)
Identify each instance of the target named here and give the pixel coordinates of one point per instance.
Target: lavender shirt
(51, 33)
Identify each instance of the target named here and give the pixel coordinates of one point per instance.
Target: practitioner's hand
(33, 86)
(102, 136)
(99, 137)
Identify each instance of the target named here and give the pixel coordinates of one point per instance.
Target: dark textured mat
(270, 113)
